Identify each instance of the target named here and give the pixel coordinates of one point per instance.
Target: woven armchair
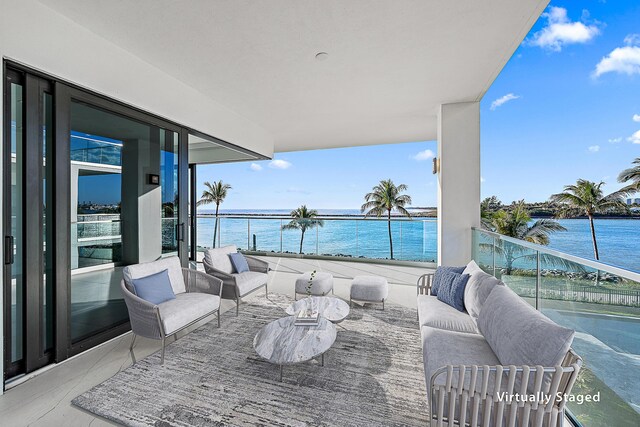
(236, 285)
(197, 297)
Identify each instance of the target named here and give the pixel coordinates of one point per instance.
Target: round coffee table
(283, 343)
(333, 309)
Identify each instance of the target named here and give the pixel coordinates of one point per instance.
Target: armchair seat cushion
(250, 280)
(435, 313)
(186, 308)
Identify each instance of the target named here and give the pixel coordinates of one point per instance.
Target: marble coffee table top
(283, 343)
(333, 309)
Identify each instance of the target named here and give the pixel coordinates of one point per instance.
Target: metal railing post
(493, 255)
(357, 238)
(538, 277)
(219, 225)
(317, 238)
(400, 239)
(248, 233)
(281, 225)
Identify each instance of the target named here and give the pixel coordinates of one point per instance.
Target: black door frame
(34, 356)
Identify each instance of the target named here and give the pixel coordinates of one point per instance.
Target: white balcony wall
(458, 180)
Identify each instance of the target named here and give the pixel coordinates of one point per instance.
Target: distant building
(635, 201)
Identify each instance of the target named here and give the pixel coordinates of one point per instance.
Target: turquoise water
(415, 240)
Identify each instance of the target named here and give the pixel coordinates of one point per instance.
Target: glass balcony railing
(413, 239)
(600, 302)
(95, 151)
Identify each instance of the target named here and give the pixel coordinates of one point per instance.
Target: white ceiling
(390, 64)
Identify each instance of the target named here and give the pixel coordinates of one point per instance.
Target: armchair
(236, 285)
(197, 297)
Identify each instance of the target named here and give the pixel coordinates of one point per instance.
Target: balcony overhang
(390, 64)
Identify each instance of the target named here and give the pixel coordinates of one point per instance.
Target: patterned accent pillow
(454, 294)
(437, 278)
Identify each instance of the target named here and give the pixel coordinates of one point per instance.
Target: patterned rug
(373, 376)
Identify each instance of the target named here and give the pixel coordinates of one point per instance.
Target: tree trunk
(215, 229)
(593, 237)
(301, 240)
(390, 238)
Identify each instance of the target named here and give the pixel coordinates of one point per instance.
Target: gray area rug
(373, 376)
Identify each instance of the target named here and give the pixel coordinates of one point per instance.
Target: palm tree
(383, 199)
(214, 193)
(303, 219)
(587, 197)
(516, 224)
(632, 174)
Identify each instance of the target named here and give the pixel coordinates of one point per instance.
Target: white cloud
(502, 100)
(255, 167)
(561, 31)
(615, 140)
(623, 60)
(424, 155)
(279, 164)
(635, 138)
(636, 118)
(594, 148)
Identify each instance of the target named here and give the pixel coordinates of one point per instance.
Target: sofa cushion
(453, 294)
(155, 288)
(250, 280)
(171, 264)
(441, 348)
(479, 286)
(437, 314)
(439, 276)
(219, 259)
(519, 334)
(239, 262)
(186, 308)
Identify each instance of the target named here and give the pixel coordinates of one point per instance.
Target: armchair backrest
(171, 264)
(218, 258)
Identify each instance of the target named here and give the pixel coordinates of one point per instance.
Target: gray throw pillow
(479, 286)
(519, 334)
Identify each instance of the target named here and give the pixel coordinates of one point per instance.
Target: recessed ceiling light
(321, 56)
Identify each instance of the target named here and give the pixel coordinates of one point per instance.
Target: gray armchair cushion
(171, 264)
(519, 334)
(218, 258)
(479, 286)
(437, 314)
(186, 308)
(250, 280)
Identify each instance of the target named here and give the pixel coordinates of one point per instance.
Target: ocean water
(415, 240)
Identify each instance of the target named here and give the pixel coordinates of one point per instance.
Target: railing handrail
(597, 265)
(328, 217)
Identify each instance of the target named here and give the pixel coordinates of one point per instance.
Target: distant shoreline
(430, 215)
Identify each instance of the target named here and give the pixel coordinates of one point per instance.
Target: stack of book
(304, 318)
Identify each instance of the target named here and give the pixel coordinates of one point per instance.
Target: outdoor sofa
(480, 363)
(236, 285)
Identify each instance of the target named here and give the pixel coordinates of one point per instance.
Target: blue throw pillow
(155, 288)
(239, 262)
(437, 278)
(454, 294)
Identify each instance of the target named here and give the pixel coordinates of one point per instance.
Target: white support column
(458, 180)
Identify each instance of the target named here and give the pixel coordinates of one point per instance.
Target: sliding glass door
(90, 186)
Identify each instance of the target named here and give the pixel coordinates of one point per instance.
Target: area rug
(373, 376)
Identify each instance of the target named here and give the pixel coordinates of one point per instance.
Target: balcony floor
(45, 399)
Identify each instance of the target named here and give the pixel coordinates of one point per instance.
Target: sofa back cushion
(219, 259)
(439, 278)
(479, 286)
(519, 334)
(171, 264)
(155, 288)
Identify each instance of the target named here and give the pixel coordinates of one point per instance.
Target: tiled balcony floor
(45, 399)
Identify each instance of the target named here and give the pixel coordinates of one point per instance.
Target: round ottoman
(369, 289)
(322, 284)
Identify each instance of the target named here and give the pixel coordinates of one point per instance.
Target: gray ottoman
(322, 284)
(369, 289)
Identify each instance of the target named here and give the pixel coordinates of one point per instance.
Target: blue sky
(566, 106)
